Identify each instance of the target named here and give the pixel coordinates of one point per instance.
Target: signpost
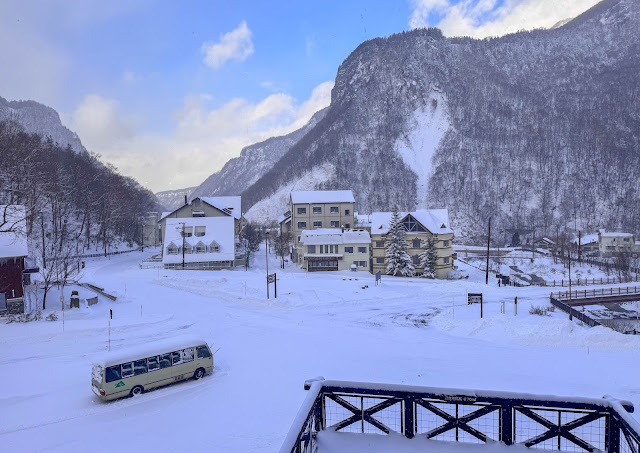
(475, 298)
(271, 278)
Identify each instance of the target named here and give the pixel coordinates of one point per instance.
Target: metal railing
(597, 293)
(466, 416)
(580, 316)
(592, 281)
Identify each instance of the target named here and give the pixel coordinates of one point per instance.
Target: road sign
(271, 278)
(474, 298)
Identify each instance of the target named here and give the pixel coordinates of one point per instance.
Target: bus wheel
(137, 390)
(198, 374)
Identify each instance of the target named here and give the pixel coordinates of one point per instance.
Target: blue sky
(169, 91)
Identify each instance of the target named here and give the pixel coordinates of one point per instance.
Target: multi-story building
(611, 243)
(311, 210)
(420, 226)
(332, 249)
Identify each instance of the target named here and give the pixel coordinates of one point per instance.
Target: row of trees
(73, 202)
(398, 260)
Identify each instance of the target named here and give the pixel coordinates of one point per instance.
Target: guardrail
(575, 313)
(592, 281)
(465, 416)
(597, 293)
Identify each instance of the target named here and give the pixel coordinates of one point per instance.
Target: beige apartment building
(611, 243)
(420, 226)
(332, 249)
(311, 210)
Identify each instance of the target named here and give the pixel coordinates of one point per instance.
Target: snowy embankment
(338, 325)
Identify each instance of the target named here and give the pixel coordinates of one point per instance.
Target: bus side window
(176, 358)
(203, 352)
(113, 373)
(165, 360)
(153, 363)
(140, 366)
(127, 370)
(187, 355)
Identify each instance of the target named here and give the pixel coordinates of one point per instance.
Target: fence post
(613, 435)
(506, 415)
(409, 422)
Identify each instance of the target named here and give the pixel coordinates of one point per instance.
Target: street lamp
(266, 256)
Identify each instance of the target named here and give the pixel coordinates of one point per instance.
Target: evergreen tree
(428, 260)
(399, 261)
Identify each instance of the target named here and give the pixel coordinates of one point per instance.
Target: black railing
(548, 422)
(573, 312)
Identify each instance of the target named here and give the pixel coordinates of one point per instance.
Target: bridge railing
(536, 421)
(599, 292)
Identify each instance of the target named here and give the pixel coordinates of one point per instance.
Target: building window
(214, 247)
(317, 224)
(362, 250)
(362, 263)
(302, 210)
(347, 225)
(380, 244)
(415, 259)
(200, 231)
(379, 260)
(335, 224)
(348, 250)
(201, 248)
(445, 260)
(415, 243)
(172, 249)
(187, 249)
(311, 249)
(347, 212)
(317, 210)
(302, 225)
(188, 232)
(626, 239)
(445, 243)
(411, 224)
(334, 210)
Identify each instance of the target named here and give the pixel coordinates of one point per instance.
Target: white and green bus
(130, 372)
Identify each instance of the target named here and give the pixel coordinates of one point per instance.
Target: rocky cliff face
(39, 119)
(171, 200)
(533, 128)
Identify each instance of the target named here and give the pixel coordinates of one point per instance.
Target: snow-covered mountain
(40, 119)
(254, 161)
(173, 199)
(533, 128)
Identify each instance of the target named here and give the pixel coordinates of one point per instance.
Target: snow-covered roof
(334, 236)
(218, 229)
(165, 214)
(615, 234)
(232, 205)
(434, 220)
(322, 196)
(284, 218)
(362, 220)
(14, 243)
(545, 239)
(587, 239)
(147, 349)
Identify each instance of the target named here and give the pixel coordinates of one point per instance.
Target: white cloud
(100, 123)
(234, 45)
(203, 140)
(482, 18)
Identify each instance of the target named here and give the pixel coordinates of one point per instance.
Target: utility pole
(182, 223)
(486, 277)
(266, 255)
(570, 314)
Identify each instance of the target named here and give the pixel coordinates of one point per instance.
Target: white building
(331, 249)
(199, 243)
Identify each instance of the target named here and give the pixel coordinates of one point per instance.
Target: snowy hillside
(173, 199)
(39, 119)
(530, 127)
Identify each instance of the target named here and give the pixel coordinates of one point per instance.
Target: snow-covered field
(407, 331)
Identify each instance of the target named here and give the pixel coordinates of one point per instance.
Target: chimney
(185, 199)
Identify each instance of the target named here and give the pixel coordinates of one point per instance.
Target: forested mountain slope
(532, 128)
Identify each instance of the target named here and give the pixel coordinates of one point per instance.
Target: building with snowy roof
(199, 243)
(334, 249)
(313, 209)
(205, 207)
(13, 253)
(613, 242)
(420, 226)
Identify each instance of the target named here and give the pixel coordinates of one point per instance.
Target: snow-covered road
(403, 331)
